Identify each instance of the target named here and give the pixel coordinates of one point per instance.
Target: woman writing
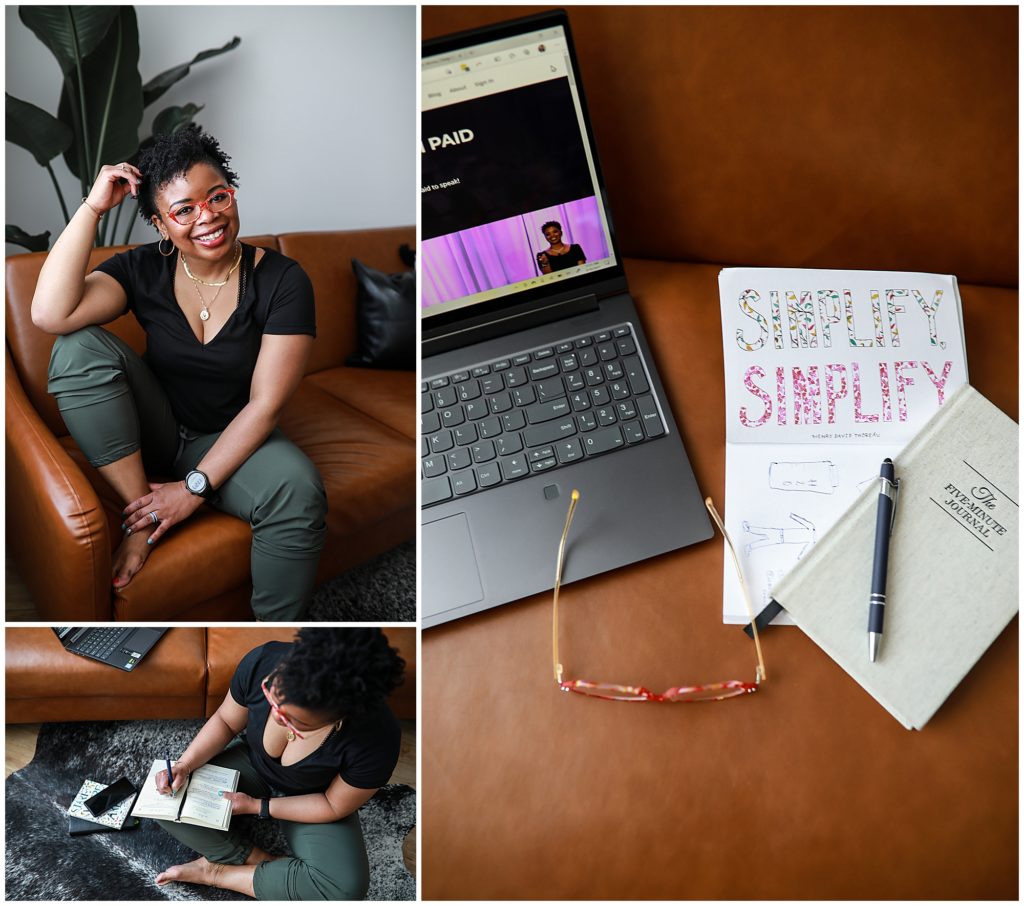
(319, 741)
(228, 328)
(558, 256)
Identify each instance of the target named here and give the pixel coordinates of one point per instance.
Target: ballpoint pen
(170, 775)
(887, 494)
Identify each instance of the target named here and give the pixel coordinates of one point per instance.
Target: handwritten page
(198, 802)
(826, 373)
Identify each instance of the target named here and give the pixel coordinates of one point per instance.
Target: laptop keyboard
(101, 643)
(534, 412)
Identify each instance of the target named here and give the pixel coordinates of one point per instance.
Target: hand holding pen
(179, 771)
(887, 494)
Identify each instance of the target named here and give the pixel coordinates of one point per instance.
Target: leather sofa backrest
(325, 257)
(878, 137)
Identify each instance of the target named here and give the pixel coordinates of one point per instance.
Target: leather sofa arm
(56, 526)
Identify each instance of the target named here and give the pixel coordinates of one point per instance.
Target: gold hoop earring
(159, 247)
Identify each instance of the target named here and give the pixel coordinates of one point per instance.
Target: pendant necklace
(204, 314)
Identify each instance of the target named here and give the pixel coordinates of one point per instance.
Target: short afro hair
(338, 673)
(173, 155)
(551, 223)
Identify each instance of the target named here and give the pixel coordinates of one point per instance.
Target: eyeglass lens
(189, 213)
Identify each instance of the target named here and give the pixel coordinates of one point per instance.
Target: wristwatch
(264, 809)
(198, 484)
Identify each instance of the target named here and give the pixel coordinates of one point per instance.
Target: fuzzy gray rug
(381, 591)
(44, 863)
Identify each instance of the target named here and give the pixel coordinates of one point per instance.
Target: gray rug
(44, 863)
(381, 591)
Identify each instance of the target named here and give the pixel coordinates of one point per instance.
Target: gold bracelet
(85, 201)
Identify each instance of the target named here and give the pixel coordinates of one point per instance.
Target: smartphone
(107, 798)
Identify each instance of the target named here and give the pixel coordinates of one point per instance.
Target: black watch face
(195, 482)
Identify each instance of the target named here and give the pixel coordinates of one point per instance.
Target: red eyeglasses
(711, 692)
(190, 211)
(277, 711)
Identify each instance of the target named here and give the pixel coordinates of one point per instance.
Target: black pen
(170, 775)
(887, 494)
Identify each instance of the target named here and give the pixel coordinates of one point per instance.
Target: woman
(320, 740)
(558, 256)
(228, 327)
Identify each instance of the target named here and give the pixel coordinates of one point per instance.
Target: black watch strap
(264, 809)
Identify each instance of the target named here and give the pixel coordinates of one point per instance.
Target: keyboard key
(438, 382)
(635, 374)
(551, 389)
(470, 390)
(563, 348)
(426, 402)
(569, 363)
(600, 396)
(434, 466)
(587, 357)
(452, 417)
(593, 376)
(459, 458)
(580, 402)
(607, 351)
(476, 409)
(488, 476)
(481, 371)
(500, 403)
(569, 450)
(619, 389)
(509, 444)
(464, 483)
(602, 337)
(625, 410)
(612, 371)
(549, 432)
(649, 414)
(524, 396)
(435, 490)
(602, 441)
(490, 427)
(542, 465)
(541, 453)
(586, 421)
(515, 377)
(633, 431)
(501, 365)
(626, 346)
(583, 342)
(493, 384)
(430, 423)
(605, 416)
(514, 467)
(464, 434)
(522, 359)
(544, 353)
(441, 441)
(544, 412)
(574, 381)
(444, 398)
(543, 370)
(514, 421)
(621, 331)
(460, 376)
(483, 451)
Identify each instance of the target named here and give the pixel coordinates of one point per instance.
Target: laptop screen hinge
(511, 322)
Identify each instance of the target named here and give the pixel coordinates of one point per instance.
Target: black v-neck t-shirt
(364, 751)
(570, 259)
(209, 384)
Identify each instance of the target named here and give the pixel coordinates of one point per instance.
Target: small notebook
(196, 803)
(953, 563)
(114, 818)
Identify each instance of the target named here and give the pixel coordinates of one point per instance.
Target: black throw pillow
(386, 319)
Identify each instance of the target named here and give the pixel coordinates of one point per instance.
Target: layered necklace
(204, 314)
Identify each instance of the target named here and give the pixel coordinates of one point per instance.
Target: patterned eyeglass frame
(728, 689)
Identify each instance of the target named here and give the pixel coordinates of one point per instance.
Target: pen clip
(891, 489)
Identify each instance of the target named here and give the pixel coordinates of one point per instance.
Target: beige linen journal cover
(953, 563)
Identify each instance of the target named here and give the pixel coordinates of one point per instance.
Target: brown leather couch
(356, 424)
(865, 137)
(185, 675)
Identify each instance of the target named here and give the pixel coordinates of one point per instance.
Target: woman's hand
(172, 503)
(181, 771)
(242, 804)
(113, 185)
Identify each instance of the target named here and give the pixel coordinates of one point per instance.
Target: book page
(204, 805)
(826, 374)
(154, 804)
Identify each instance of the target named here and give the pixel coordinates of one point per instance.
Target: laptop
(119, 646)
(537, 376)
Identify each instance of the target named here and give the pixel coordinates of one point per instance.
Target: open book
(197, 802)
(826, 374)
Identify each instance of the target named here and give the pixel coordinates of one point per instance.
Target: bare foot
(201, 871)
(130, 555)
(257, 855)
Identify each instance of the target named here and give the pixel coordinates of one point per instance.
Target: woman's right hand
(113, 185)
(181, 771)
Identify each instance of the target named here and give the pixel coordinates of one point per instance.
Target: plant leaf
(38, 132)
(17, 236)
(62, 28)
(113, 89)
(157, 85)
(171, 119)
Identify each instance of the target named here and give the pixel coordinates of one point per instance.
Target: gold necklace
(234, 267)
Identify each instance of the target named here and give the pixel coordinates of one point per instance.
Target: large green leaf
(17, 236)
(70, 32)
(38, 132)
(171, 119)
(156, 86)
(112, 90)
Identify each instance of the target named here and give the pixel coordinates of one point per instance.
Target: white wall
(316, 106)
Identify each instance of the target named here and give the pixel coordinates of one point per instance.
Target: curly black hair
(552, 223)
(173, 155)
(338, 673)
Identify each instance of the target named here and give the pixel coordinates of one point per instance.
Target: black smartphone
(110, 796)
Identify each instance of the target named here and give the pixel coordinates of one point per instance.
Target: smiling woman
(228, 327)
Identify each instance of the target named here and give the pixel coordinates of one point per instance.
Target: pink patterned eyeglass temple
(711, 692)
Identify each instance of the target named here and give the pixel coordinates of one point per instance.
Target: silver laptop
(537, 376)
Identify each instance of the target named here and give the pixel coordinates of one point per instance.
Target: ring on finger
(121, 166)
(153, 517)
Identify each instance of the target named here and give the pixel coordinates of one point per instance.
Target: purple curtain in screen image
(497, 254)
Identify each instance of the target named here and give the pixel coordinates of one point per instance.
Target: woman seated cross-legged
(319, 740)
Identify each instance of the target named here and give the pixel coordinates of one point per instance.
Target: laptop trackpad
(449, 563)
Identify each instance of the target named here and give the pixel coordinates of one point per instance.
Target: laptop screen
(511, 198)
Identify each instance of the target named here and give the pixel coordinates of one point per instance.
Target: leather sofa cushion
(387, 396)
(45, 682)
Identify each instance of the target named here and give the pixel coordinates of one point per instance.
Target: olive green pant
(113, 405)
(328, 862)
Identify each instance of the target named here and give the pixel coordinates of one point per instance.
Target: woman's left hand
(172, 503)
(242, 804)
